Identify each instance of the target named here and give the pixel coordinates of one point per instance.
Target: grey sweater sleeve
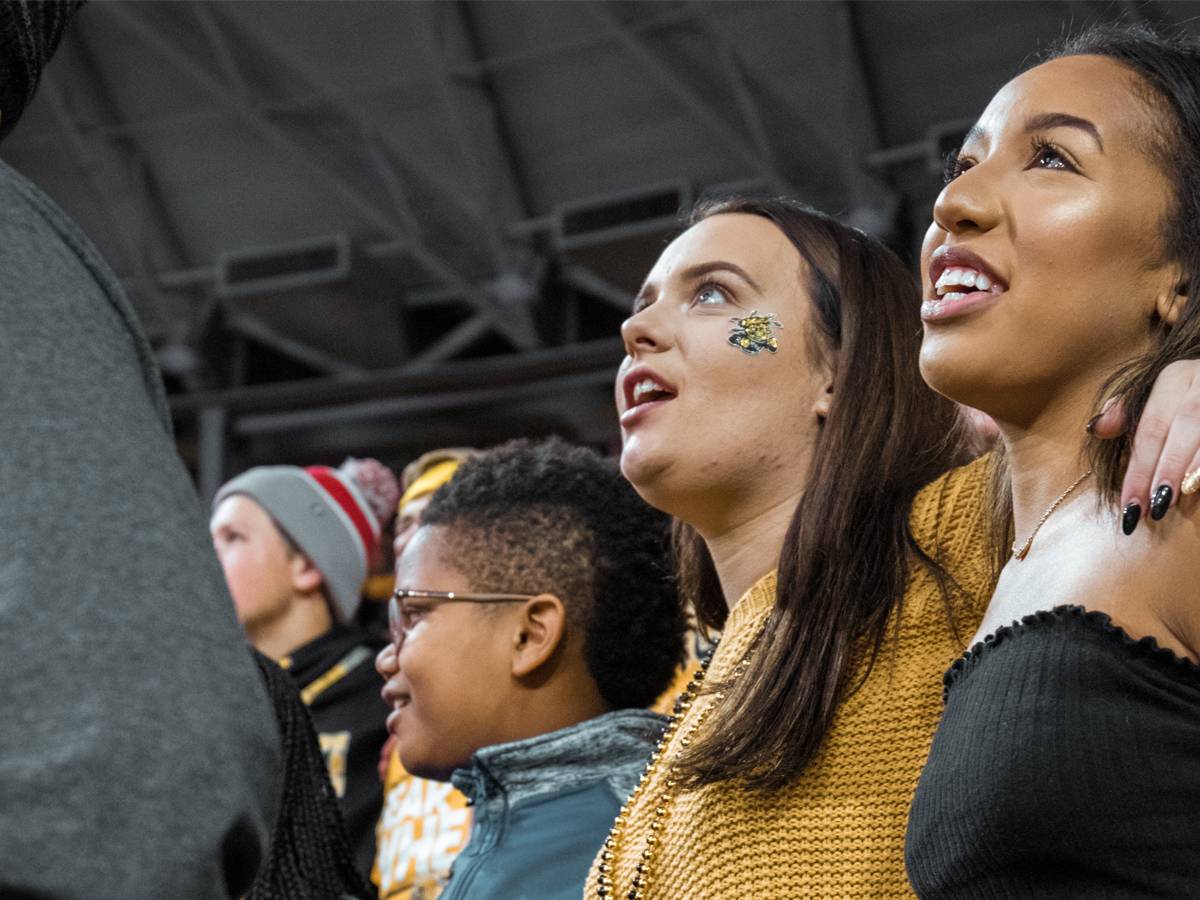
(138, 751)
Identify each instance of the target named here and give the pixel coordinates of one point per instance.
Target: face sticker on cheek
(754, 333)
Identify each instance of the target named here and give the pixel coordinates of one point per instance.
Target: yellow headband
(431, 479)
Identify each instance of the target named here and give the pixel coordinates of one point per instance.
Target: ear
(540, 630)
(824, 401)
(306, 577)
(1172, 302)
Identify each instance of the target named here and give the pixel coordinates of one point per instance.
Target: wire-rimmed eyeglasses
(402, 616)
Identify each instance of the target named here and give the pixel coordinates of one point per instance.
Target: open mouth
(962, 281)
(956, 283)
(644, 389)
(647, 390)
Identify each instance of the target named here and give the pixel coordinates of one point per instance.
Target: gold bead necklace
(605, 881)
(1023, 551)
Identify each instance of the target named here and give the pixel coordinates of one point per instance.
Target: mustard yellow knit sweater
(839, 830)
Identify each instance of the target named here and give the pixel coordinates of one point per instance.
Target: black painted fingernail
(1130, 516)
(1161, 501)
(1091, 423)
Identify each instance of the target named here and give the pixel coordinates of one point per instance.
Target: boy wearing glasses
(424, 824)
(535, 619)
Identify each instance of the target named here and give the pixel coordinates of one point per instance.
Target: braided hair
(310, 856)
(29, 34)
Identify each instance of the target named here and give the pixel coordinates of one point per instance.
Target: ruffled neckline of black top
(1146, 649)
(1066, 764)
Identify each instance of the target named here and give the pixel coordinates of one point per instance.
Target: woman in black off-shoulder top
(1066, 766)
(1064, 265)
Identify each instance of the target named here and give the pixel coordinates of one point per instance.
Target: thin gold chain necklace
(605, 883)
(1023, 550)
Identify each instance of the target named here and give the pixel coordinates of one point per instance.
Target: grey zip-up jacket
(138, 751)
(544, 805)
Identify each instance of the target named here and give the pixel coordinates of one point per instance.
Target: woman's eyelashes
(1048, 155)
(1044, 154)
(712, 294)
(954, 165)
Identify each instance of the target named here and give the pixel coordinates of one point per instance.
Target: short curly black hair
(546, 516)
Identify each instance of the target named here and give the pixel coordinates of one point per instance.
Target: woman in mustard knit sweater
(770, 400)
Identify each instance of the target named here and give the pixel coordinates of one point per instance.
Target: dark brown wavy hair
(848, 550)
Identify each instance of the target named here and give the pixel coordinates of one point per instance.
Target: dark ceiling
(379, 227)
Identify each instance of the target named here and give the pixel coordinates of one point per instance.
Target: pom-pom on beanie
(377, 483)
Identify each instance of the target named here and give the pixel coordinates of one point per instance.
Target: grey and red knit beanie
(29, 34)
(334, 517)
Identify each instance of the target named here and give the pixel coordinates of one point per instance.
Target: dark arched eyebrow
(699, 271)
(1042, 122)
(702, 269)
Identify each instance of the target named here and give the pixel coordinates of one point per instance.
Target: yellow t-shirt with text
(423, 827)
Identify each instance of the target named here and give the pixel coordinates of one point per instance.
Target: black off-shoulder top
(1067, 764)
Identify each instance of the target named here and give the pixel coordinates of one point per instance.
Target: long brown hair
(846, 555)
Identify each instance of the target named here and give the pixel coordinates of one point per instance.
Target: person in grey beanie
(139, 756)
(296, 545)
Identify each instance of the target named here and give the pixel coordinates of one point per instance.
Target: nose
(969, 204)
(646, 331)
(386, 661)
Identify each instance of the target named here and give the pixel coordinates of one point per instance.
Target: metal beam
(224, 56)
(597, 286)
(424, 405)
(487, 83)
(519, 330)
(211, 456)
(300, 70)
(144, 280)
(444, 89)
(521, 337)
(517, 327)
(95, 74)
(375, 149)
(301, 102)
(923, 150)
(432, 297)
(865, 185)
(746, 103)
(453, 342)
(249, 326)
(467, 374)
(266, 129)
(671, 18)
(684, 92)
